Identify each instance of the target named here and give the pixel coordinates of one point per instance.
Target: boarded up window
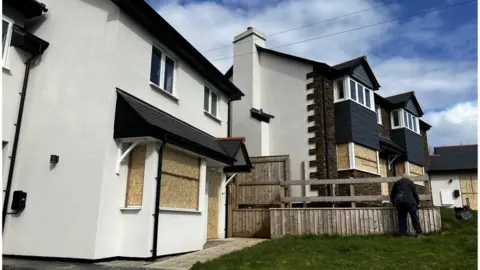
(399, 168)
(342, 156)
(383, 173)
(366, 159)
(180, 180)
(416, 170)
(136, 172)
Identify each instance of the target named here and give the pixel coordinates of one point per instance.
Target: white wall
(180, 232)
(247, 77)
(284, 96)
(73, 210)
(440, 182)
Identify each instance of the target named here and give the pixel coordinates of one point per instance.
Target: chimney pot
(249, 28)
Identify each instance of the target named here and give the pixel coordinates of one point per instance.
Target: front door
(213, 204)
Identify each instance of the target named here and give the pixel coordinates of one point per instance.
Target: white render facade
(277, 86)
(76, 208)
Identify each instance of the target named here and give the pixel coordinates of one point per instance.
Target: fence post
(352, 193)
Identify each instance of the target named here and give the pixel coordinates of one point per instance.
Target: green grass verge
(454, 248)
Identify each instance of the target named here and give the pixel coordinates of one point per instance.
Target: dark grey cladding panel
(412, 143)
(410, 106)
(355, 123)
(360, 74)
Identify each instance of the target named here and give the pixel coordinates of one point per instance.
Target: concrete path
(185, 262)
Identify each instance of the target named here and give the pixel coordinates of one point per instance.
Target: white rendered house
(123, 147)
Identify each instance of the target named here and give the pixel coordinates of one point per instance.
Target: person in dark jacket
(404, 197)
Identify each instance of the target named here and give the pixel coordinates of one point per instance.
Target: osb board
(469, 183)
(136, 172)
(472, 199)
(213, 205)
(365, 153)
(385, 190)
(178, 192)
(416, 170)
(266, 194)
(181, 164)
(366, 165)
(342, 156)
(383, 167)
(399, 168)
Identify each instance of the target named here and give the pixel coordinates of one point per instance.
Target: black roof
(232, 146)
(400, 100)
(29, 8)
(136, 118)
(390, 145)
(146, 16)
(326, 67)
(454, 158)
(347, 68)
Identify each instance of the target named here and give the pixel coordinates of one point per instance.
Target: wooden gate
(248, 204)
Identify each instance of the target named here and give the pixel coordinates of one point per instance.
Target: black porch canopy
(136, 118)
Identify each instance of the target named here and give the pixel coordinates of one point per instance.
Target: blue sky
(434, 54)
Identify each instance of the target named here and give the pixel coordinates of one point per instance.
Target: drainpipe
(157, 198)
(28, 65)
(229, 134)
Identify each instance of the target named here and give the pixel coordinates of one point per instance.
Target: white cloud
(455, 125)
(439, 83)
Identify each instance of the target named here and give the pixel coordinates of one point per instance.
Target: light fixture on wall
(450, 181)
(54, 159)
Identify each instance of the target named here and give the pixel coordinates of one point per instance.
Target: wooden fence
(243, 193)
(345, 221)
(251, 196)
(251, 223)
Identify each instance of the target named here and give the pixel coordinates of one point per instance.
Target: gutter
(41, 46)
(157, 198)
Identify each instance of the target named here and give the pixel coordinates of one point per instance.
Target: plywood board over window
(399, 168)
(342, 156)
(135, 178)
(383, 173)
(416, 170)
(366, 159)
(469, 189)
(180, 180)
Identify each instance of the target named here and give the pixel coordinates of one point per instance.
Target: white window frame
(348, 94)
(379, 114)
(161, 81)
(400, 119)
(8, 40)
(402, 123)
(209, 112)
(336, 90)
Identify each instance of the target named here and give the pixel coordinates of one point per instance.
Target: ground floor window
(135, 178)
(180, 180)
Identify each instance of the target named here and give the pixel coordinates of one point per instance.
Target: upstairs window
(361, 94)
(379, 114)
(404, 119)
(395, 119)
(410, 121)
(162, 71)
(7, 26)
(210, 102)
(339, 90)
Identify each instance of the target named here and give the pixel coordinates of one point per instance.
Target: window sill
(131, 208)
(213, 117)
(182, 210)
(354, 169)
(164, 92)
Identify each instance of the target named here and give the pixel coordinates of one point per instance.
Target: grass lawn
(454, 248)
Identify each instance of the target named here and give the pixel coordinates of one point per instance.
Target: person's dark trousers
(408, 208)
